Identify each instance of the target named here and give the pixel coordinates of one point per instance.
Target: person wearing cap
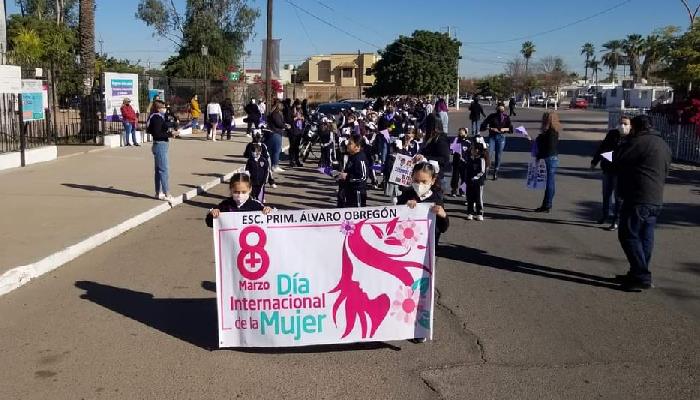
(129, 120)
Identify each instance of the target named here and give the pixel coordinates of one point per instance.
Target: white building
(639, 96)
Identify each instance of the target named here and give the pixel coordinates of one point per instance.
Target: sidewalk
(87, 199)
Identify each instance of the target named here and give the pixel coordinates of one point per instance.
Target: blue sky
(379, 22)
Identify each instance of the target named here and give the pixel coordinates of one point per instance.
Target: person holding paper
(497, 124)
(426, 189)
(547, 150)
(610, 144)
(460, 154)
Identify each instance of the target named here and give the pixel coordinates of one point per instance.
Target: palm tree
(653, 52)
(86, 30)
(588, 50)
(527, 51)
(633, 46)
(611, 58)
(594, 65)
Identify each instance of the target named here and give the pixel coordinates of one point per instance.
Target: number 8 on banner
(253, 261)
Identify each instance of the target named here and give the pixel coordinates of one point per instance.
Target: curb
(19, 276)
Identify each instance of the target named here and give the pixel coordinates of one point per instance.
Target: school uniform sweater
(475, 168)
(259, 170)
(229, 205)
(357, 169)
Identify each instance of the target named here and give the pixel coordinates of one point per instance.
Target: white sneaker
(160, 196)
(168, 198)
(479, 217)
(277, 169)
(470, 217)
(273, 186)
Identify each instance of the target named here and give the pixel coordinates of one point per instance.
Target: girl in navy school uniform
(426, 189)
(249, 150)
(240, 200)
(459, 159)
(353, 180)
(475, 175)
(259, 169)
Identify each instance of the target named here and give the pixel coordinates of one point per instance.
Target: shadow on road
(484, 259)
(110, 190)
(191, 320)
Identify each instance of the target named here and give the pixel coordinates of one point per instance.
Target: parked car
(579, 102)
(332, 108)
(358, 104)
(465, 100)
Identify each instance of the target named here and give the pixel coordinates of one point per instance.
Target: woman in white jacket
(214, 116)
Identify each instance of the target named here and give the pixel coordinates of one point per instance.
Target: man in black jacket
(610, 145)
(641, 163)
(253, 116)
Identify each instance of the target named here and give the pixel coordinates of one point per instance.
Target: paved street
(526, 309)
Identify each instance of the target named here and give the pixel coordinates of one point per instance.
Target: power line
(616, 6)
(303, 27)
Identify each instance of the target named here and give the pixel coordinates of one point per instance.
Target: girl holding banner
(426, 189)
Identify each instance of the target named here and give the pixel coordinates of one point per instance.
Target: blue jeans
(160, 156)
(129, 130)
(274, 147)
(552, 163)
(497, 142)
(636, 235)
(475, 126)
(610, 196)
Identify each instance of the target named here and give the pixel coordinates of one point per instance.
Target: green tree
(26, 47)
(223, 26)
(612, 56)
(420, 64)
(594, 65)
(495, 85)
(61, 11)
(587, 50)
(633, 47)
(683, 60)
(527, 51)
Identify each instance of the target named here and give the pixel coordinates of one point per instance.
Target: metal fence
(16, 135)
(682, 139)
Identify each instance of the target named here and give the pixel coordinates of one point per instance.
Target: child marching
(475, 176)
(240, 200)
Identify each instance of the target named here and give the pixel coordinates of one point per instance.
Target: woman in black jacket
(436, 146)
(610, 145)
(227, 118)
(547, 150)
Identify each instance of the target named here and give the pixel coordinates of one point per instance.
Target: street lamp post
(205, 53)
(294, 82)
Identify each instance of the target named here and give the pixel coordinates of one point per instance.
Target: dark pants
(457, 170)
(294, 149)
(257, 193)
(636, 235)
(610, 195)
(552, 163)
(351, 197)
(252, 123)
(512, 112)
(226, 128)
(475, 199)
(326, 156)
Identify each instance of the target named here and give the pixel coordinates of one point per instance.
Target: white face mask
(420, 188)
(626, 129)
(240, 198)
(257, 156)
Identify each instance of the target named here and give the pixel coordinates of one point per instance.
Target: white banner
(401, 173)
(536, 174)
(297, 278)
(117, 88)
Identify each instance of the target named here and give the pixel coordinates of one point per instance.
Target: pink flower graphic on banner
(408, 233)
(347, 228)
(405, 305)
(358, 305)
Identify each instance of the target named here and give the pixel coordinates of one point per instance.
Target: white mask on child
(257, 156)
(420, 188)
(240, 198)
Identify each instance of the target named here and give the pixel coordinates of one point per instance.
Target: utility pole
(268, 59)
(449, 35)
(359, 74)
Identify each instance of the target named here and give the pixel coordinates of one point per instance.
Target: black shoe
(621, 278)
(612, 227)
(495, 176)
(137, 145)
(300, 165)
(128, 144)
(601, 221)
(542, 210)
